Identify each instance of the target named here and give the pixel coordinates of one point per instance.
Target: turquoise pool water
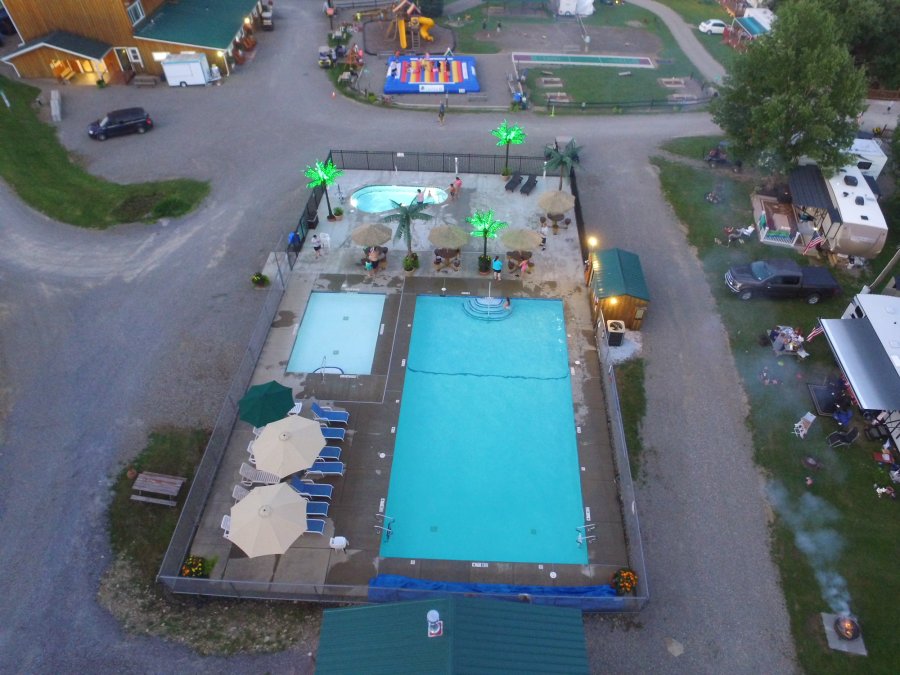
(378, 198)
(339, 332)
(485, 464)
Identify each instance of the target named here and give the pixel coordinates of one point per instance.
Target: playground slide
(424, 24)
(401, 31)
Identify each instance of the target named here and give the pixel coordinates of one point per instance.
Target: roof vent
(859, 201)
(864, 217)
(851, 180)
(435, 625)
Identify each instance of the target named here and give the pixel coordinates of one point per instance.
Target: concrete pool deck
(374, 402)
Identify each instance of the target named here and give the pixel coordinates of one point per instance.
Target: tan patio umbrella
(371, 234)
(448, 236)
(288, 445)
(268, 520)
(556, 201)
(521, 239)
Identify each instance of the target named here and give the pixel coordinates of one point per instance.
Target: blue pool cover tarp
(394, 588)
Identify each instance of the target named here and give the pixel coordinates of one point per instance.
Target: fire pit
(846, 628)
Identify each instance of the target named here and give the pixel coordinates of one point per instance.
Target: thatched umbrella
(556, 201)
(371, 234)
(448, 236)
(521, 239)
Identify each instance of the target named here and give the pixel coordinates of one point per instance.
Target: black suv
(118, 122)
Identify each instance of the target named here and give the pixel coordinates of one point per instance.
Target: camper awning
(808, 188)
(861, 356)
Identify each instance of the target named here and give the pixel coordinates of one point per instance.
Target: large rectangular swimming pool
(485, 464)
(338, 333)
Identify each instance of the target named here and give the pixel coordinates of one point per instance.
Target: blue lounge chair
(315, 525)
(333, 434)
(312, 490)
(329, 415)
(326, 469)
(529, 185)
(317, 508)
(330, 453)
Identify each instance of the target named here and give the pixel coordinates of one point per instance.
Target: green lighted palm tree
(508, 134)
(484, 226)
(563, 159)
(404, 216)
(324, 175)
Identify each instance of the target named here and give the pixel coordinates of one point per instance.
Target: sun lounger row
(526, 189)
(311, 490)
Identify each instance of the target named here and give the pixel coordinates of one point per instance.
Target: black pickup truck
(781, 278)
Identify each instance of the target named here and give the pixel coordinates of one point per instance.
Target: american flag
(814, 332)
(815, 241)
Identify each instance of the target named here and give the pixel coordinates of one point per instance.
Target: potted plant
(259, 280)
(484, 264)
(505, 173)
(338, 213)
(624, 581)
(410, 263)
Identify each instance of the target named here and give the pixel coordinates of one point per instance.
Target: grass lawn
(695, 12)
(40, 170)
(140, 533)
(633, 401)
(600, 84)
(851, 532)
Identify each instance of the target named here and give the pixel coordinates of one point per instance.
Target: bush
(170, 207)
(259, 279)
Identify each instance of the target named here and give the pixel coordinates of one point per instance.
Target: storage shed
(452, 635)
(618, 289)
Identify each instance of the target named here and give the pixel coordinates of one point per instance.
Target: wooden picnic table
(157, 483)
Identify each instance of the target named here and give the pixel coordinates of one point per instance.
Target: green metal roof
(480, 636)
(618, 272)
(67, 42)
(197, 23)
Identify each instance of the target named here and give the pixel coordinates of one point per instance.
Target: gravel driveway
(105, 335)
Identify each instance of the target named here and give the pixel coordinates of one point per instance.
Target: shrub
(259, 279)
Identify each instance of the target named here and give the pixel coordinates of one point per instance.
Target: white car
(712, 26)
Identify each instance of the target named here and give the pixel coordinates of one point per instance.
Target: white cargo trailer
(182, 70)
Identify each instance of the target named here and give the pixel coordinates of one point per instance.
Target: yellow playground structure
(409, 15)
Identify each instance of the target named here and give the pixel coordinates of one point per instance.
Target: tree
(324, 175)
(404, 216)
(508, 135)
(563, 159)
(484, 226)
(795, 92)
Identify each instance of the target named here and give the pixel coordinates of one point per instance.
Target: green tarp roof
(198, 23)
(618, 272)
(67, 42)
(479, 636)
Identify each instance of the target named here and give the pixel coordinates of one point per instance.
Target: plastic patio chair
(803, 425)
(839, 438)
(311, 490)
(329, 415)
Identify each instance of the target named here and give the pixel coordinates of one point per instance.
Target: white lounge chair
(249, 476)
(226, 526)
(239, 492)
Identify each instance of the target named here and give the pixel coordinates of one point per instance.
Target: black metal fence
(660, 104)
(202, 483)
(437, 162)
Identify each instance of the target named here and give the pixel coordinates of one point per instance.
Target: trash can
(615, 333)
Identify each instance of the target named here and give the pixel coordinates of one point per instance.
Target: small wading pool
(338, 334)
(379, 198)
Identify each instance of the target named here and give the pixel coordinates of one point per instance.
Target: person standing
(497, 266)
(420, 197)
(544, 232)
(317, 245)
(441, 112)
(458, 184)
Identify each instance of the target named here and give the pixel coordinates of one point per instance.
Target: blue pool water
(485, 464)
(339, 330)
(378, 198)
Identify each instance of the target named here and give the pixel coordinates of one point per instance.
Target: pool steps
(486, 309)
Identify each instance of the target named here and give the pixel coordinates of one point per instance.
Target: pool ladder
(323, 368)
(387, 528)
(583, 536)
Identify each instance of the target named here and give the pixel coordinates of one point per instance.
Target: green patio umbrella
(266, 403)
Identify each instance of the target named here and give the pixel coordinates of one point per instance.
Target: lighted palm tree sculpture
(508, 134)
(324, 175)
(484, 226)
(404, 215)
(563, 159)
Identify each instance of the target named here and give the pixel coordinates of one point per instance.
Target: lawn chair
(803, 425)
(329, 415)
(330, 453)
(315, 526)
(250, 475)
(529, 185)
(297, 409)
(839, 438)
(317, 508)
(250, 452)
(326, 469)
(226, 526)
(311, 490)
(239, 492)
(514, 182)
(332, 434)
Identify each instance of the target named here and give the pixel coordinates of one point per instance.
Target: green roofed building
(618, 289)
(475, 635)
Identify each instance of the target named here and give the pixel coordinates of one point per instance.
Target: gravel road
(106, 334)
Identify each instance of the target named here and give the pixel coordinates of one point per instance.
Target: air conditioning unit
(615, 332)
